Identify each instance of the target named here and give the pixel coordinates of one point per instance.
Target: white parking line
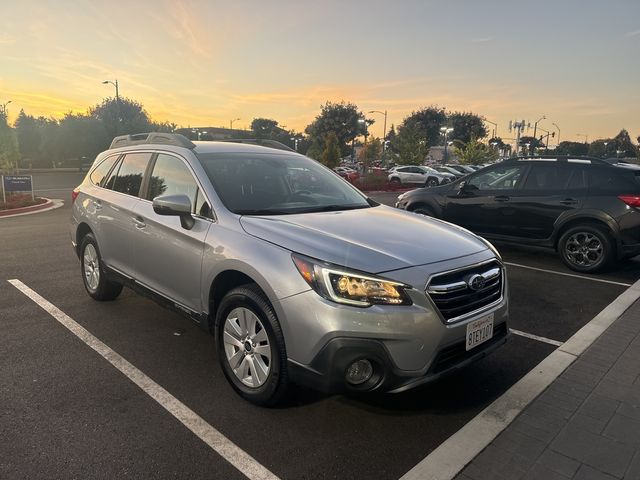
(583, 277)
(233, 454)
(536, 337)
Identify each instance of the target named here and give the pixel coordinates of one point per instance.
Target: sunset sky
(202, 63)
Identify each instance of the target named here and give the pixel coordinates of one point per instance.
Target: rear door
(168, 257)
(114, 210)
(550, 190)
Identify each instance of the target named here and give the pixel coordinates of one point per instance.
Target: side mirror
(465, 187)
(175, 205)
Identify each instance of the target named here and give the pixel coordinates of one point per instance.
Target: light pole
(495, 127)
(445, 131)
(605, 149)
(295, 143)
(115, 84)
(558, 139)
(384, 135)
(586, 137)
(231, 123)
(535, 129)
(363, 121)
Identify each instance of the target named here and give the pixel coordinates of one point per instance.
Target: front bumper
(327, 371)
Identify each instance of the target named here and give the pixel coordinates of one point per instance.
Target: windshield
(278, 184)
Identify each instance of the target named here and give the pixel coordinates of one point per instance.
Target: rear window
(612, 180)
(130, 173)
(100, 172)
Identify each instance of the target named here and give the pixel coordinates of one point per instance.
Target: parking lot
(65, 411)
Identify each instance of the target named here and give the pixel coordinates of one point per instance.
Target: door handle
(569, 201)
(138, 222)
(501, 198)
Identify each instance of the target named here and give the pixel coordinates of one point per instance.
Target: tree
(331, 154)
(372, 151)
(475, 152)
(340, 118)
(572, 148)
(265, 128)
(315, 150)
(9, 153)
(623, 144)
(81, 136)
(29, 136)
(122, 117)
(533, 142)
(425, 123)
(466, 126)
(411, 145)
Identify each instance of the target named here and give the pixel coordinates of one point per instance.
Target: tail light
(74, 194)
(631, 200)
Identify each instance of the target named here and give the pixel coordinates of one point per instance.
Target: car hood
(375, 240)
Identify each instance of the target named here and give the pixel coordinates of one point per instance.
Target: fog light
(359, 372)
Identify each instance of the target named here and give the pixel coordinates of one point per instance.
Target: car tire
(586, 248)
(249, 336)
(395, 181)
(94, 277)
(431, 182)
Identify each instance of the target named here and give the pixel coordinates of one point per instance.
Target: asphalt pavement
(67, 413)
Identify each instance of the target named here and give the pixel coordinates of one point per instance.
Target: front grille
(457, 353)
(460, 293)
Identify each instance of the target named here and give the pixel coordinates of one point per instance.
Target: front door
(480, 204)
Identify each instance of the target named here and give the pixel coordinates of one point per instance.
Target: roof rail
(152, 138)
(259, 141)
(593, 160)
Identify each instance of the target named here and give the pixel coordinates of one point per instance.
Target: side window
(578, 180)
(547, 176)
(99, 173)
(611, 180)
(130, 173)
(171, 176)
(501, 178)
(404, 170)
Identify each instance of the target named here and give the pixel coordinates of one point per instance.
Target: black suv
(585, 208)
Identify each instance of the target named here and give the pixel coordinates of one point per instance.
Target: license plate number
(479, 331)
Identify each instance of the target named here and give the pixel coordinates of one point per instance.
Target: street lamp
(231, 123)
(384, 132)
(445, 131)
(535, 129)
(115, 84)
(558, 139)
(295, 143)
(605, 149)
(495, 127)
(586, 137)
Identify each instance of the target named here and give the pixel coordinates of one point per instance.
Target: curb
(450, 457)
(50, 204)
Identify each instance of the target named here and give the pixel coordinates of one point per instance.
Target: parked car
(463, 169)
(584, 208)
(418, 174)
(451, 171)
(300, 277)
(349, 173)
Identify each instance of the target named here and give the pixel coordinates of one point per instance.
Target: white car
(418, 174)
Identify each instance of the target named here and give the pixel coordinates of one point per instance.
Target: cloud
(633, 33)
(6, 39)
(481, 40)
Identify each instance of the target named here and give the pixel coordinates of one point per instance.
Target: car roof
(559, 158)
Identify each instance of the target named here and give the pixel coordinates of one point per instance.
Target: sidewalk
(585, 425)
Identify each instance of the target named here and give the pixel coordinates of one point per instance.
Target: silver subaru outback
(300, 277)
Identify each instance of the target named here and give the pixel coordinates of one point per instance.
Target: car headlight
(351, 288)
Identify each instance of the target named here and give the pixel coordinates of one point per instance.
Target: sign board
(16, 183)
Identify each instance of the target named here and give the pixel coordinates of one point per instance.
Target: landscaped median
(18, 204)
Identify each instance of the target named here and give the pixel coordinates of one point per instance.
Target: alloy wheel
(91, 267)
(247, 348)
(584, 249)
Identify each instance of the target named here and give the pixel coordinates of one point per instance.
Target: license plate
(479, 331)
